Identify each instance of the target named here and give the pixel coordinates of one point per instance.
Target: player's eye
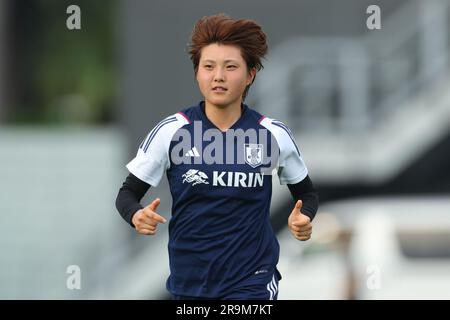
(231, 67)
(207, 66)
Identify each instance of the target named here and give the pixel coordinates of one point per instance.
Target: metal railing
(354, 83)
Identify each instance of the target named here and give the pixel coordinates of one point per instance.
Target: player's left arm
(306, 204)
(292, 171)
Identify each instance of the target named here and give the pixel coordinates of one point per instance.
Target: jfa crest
(253, 154)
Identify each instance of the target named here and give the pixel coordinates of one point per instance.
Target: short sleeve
(152, 158)
(292, 169)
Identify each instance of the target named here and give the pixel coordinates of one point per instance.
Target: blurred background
(370, 110)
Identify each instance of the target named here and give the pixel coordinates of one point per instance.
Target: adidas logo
(261, 271)
(192, 153)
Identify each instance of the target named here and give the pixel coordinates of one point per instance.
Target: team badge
(253, 154)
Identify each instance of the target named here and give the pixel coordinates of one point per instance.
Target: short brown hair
(221, 29)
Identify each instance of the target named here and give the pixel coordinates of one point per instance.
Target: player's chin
(221, 101)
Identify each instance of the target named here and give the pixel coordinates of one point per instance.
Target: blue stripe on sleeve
(155, 131)
(285, 128)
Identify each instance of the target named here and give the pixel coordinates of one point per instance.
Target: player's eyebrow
(226, 61)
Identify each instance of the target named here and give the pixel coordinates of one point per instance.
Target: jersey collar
(209, 124)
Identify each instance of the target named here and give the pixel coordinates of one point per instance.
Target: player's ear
(251, 76)
(196, 72)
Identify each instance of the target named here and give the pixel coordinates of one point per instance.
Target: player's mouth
(219, 89)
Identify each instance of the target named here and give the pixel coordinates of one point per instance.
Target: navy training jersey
(220, 236)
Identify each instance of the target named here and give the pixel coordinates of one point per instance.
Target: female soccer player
(218, 157)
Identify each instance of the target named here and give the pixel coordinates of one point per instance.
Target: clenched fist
(300, 224)
(146, 220)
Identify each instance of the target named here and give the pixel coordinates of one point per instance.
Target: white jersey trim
(291, 167)
(272, 287)
(152, 158)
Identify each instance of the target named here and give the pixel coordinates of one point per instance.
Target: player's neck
(223, 117)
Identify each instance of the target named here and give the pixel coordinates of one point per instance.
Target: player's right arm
(144, 220)
(146, 170)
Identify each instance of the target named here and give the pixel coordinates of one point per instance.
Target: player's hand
(299, 224)
(146, 220)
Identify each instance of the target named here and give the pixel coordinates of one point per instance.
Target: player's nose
(219, 75)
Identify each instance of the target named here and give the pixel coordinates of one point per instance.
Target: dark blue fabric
(263, 289)
(220, 237)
